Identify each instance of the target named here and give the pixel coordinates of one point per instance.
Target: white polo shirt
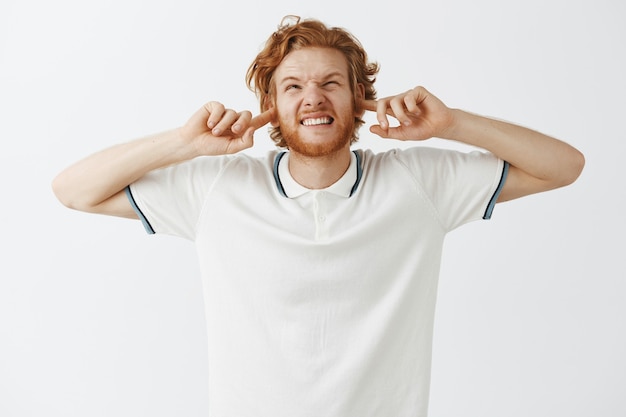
(320, 302)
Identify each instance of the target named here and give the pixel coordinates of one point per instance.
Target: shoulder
(204, 171)
(218, 164)
(435, 166)
(414, 156)
(425, 155)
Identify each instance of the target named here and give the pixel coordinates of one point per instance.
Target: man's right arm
(97, 183)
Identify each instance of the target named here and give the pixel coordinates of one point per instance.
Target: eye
(292, 87)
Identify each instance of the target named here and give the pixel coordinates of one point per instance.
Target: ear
(269, 104)
(359, 111)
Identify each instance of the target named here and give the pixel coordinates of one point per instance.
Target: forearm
(91, 181)
(545, 158)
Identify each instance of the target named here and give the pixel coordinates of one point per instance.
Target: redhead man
(319, 263)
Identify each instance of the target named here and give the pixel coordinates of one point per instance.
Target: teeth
(317, 121)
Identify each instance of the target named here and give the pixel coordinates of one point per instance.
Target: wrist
(463, 127)
(185, 146)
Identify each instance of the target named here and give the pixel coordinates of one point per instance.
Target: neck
(321, 171)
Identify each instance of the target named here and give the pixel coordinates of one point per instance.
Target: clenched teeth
(317, 121)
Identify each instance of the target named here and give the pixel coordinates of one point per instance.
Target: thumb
(379, 131)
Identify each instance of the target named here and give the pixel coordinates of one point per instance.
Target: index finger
(373, 106)
(382, 110)
(369, 105)
(262, 119)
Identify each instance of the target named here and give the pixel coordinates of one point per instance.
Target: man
(319, 264)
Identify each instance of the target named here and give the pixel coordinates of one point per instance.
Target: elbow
(575, 166)
(66, 194)
(566, 170)
(59, 189)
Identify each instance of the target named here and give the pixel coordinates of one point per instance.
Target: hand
(215, 130)
(420, 114)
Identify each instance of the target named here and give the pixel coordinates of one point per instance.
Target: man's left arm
(537, 162)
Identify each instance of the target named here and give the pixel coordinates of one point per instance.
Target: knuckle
(215, 105)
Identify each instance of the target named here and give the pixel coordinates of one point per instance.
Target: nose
(313, 96)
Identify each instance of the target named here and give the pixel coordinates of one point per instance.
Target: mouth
(317, 121)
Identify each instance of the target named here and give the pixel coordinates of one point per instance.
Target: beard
(319, 148)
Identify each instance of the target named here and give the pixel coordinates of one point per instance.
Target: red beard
(317, 148)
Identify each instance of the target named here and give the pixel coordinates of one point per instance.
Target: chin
(318, 147)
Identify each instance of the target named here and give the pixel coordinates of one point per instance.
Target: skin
(312, 83)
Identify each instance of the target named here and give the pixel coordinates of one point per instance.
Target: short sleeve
(462, 186)
(170, 200)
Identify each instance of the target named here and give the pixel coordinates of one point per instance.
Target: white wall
(99, 319)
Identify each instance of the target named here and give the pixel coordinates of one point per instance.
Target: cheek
(346, 102)
(286, 111)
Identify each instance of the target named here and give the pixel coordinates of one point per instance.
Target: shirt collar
(344, 187)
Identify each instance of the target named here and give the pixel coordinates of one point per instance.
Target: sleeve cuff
(142, 217)
(496, 194)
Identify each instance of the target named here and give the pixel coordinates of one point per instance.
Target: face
(314, 102)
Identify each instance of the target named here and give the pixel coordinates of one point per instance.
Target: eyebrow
(324, 78)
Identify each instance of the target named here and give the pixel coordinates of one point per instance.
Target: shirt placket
(320, 207)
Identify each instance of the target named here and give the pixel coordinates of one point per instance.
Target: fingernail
(216, 132)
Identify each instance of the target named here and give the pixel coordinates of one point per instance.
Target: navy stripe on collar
(359, 173)
(279, 184)
(281, 189)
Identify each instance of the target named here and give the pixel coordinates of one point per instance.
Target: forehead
(312, 63)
